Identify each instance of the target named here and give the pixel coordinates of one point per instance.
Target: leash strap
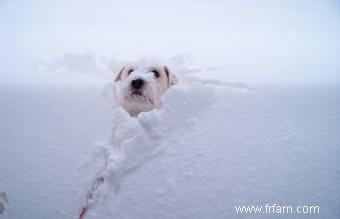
(90, 196)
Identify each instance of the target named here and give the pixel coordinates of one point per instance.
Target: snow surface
(210, 147)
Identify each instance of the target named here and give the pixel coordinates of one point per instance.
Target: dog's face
(139, 88)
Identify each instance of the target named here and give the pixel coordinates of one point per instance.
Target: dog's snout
(137, 83)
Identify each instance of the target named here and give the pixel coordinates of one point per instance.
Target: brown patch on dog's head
(172, 79)
(119, 75)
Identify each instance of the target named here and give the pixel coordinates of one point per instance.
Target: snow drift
(212, 146)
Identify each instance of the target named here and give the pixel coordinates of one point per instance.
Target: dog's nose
(137, 83)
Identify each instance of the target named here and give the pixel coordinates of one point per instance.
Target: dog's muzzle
(137, 86)
(137, 83)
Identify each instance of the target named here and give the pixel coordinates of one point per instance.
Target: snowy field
(208, 149)
(254, 119)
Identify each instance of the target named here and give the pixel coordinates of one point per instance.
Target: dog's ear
(172, 79)
(119, 75)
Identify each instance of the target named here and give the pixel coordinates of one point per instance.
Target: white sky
(252, 40)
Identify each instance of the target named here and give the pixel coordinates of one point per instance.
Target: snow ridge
(135, 141)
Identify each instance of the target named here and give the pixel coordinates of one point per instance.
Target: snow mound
(93, 67)
(134, 141)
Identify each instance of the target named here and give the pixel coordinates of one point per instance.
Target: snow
(3, 204)
(209, 148)
(254, 119)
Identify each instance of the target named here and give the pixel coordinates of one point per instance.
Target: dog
(139, 88)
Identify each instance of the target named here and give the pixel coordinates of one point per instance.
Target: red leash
(90, 196)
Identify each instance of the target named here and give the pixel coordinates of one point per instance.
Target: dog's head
(139, 88)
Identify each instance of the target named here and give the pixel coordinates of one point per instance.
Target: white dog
(139, 88)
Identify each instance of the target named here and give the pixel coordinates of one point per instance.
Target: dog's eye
(156, 73)
(130, 71)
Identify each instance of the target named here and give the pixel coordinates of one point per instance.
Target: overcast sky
(252, 40)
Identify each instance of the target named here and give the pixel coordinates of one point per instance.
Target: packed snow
(254, 119)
